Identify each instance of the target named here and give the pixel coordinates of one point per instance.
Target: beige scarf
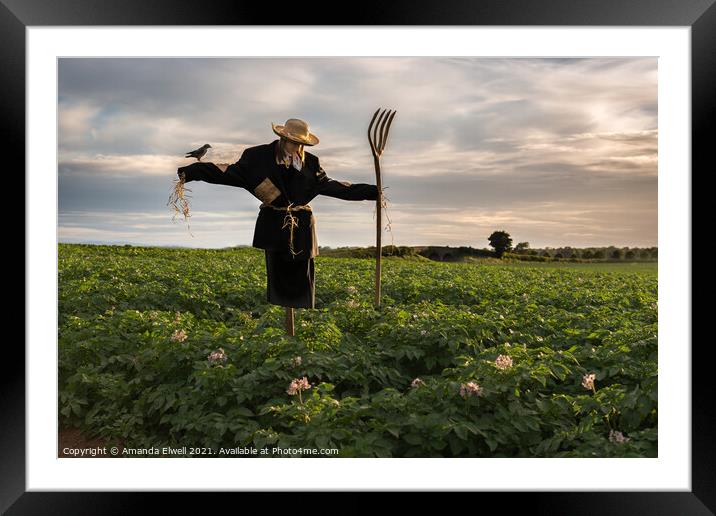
(284, 158)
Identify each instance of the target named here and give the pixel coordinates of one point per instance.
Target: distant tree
(599, 254)
(545, 253)
(587, 255)
(501, 242)
(644, 254)
(616, 254)
(532, 252)
(629, 255)
(522, 246)
(559, 255)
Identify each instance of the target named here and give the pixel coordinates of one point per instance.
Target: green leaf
(322, 441)
(413, 439)
(460, 432)
(244, 411)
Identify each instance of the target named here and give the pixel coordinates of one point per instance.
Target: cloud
(493, 137)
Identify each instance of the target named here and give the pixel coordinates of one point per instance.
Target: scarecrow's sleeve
(235, 174)
(344, 189)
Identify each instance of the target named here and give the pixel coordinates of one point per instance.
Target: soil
(70, 437)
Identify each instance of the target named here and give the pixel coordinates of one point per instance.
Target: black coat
(276, 185)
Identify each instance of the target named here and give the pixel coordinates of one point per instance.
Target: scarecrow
(285, 179)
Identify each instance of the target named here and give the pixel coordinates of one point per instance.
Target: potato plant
(175, 347)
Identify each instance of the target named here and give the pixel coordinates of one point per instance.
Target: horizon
(172, 246)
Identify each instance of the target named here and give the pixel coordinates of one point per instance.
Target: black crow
(198, 153)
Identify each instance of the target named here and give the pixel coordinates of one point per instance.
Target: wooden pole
(377, 141)
(289, 321)
(378, 232)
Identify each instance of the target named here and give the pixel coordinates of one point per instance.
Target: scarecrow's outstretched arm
(222, 174)
(344, 189)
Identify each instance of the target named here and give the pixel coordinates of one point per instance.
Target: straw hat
(295, 130)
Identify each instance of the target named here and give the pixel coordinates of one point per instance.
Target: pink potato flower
(416, 383)
(588, 381)
(298, 385)
(179, 336)
(218, 356)
(470, 389)
(616, 436)
(503, 362)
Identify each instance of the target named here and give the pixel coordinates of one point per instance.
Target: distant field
(163, 347)
(648, 267)
(410, 253)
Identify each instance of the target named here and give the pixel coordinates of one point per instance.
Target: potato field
(178, 348)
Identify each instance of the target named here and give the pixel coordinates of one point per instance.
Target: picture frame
(16, 16)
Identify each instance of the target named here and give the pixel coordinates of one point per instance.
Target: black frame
(16, 15)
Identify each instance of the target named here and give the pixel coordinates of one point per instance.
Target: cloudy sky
(554, 151)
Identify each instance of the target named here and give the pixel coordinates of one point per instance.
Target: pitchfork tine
(370, 140)
(375, 133)
(383, 133)
(387, 129)
(380, 140)
(373, 126)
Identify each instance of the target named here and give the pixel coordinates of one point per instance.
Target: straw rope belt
(289, 220)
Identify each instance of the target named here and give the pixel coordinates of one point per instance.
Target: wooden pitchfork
(377, 142)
